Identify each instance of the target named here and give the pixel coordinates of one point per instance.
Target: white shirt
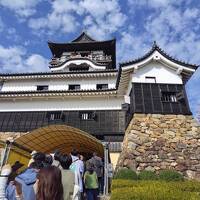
(79, 171)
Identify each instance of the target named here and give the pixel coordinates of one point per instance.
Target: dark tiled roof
(118, 77)
(162, 52)
(83, 37)
(54, 91)
(57, 73)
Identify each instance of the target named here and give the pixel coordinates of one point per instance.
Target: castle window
(150, 79)
(42, 87)
(74, 87)
(87, 115)
(169, 97)
(102, 86)
(54, 115)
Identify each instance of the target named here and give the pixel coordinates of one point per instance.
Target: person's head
(49, 184)
(14, 171)
(74, 152)
(39, 157)
(57, 155)
(65, 161)
(90, 168)
(16, 166)
(48, 160)
(37, 165)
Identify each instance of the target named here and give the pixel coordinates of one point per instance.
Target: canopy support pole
(106, 162)
(6, 153)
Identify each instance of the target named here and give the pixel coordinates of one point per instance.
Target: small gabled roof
(83, 37)
(154, 48)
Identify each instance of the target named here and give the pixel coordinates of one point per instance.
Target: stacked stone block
(155, 142)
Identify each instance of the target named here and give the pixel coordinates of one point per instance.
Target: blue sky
(27, 25)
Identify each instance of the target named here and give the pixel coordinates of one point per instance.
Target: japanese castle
(86, 90)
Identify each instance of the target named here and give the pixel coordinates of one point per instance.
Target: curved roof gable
(83, 37)
(154, 48)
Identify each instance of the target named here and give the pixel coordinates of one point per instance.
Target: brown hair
(49, 184)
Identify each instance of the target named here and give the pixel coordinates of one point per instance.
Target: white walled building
(85, 90)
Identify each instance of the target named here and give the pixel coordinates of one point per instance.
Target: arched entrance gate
(55, 137)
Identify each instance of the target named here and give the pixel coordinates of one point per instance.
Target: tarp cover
(59, 137)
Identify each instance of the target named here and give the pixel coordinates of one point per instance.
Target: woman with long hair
(68, 177)
(49, 186)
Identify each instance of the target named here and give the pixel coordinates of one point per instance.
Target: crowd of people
(53, 177)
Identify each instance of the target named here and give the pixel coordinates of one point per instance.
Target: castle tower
(162, 133)
(77, 54)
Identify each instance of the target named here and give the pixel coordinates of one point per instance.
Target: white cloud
(172, 28)
(128, 45)
(37, 63)
(64, 23)
(157, 3)
(15, 59)
(22, 8)
(59, 19)
(101, 18)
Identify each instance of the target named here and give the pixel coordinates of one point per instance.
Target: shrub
(147, 175)
(127, 174)
(170, 175)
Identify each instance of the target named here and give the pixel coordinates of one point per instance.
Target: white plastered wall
(58, 84)
(70, 103)
(162, 73)
(65, 66)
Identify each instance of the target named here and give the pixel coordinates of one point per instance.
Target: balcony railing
(95, 58)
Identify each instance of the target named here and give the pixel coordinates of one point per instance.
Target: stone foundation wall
(155, 142)
(8, 135)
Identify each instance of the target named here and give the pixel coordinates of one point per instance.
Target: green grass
(155, 190)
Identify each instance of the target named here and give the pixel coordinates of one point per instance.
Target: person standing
(17, 188)
(98, 168)
(91, 183)
(78, 168)
(26, 180)
(15, 171)
(49, 184)
(68, 177)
